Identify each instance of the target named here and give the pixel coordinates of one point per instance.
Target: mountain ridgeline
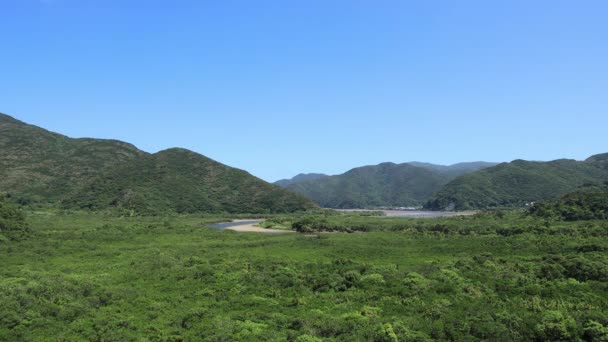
(463, 186)
(383, 185)
(39, 168)
(42, 168)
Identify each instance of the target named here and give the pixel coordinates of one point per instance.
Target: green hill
(383, 185)
(41, 166)
(516, 183)
(599, 160)
(44, 168)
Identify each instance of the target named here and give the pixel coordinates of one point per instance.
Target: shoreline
(249, 227)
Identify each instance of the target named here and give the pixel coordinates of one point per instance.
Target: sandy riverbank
(248, 227)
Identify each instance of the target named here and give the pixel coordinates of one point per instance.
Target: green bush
(555, 326)
(595, 331)
(12, 221)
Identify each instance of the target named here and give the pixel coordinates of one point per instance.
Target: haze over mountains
(38, 167)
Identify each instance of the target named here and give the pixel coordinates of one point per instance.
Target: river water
(415, 213)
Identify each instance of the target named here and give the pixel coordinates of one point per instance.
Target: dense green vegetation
(12, 222)
(517, 183)
(383, 185)
(184, 181)
(588, 204)
(44, 169)
(494, 276)
(503, 223)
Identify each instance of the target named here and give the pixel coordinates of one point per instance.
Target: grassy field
(94, 277)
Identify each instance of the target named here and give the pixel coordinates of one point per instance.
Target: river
(415, 213)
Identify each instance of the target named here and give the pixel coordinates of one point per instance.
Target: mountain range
(42, 168)
(462, 186)
(382, 185)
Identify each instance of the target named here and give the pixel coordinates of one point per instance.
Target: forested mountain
(519, 182)
(38, 167)
(302, 177)
(383, 185)
(386, 184)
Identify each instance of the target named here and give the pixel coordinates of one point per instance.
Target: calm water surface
(415, 213)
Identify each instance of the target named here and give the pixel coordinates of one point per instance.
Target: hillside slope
(39, 167)
(382, 185)
(598, 160)
(386, 184)
(516, 183)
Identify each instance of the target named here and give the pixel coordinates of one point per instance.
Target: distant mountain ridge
(38, 167)
(383, 185)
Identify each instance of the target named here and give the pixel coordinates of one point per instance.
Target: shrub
(555, 326)
(415, 283)
(12, 221)
(595, 331)
(373, 279)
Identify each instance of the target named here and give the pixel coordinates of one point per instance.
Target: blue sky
(282, 87)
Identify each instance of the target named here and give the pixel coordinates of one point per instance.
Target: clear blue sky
(282, 87)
